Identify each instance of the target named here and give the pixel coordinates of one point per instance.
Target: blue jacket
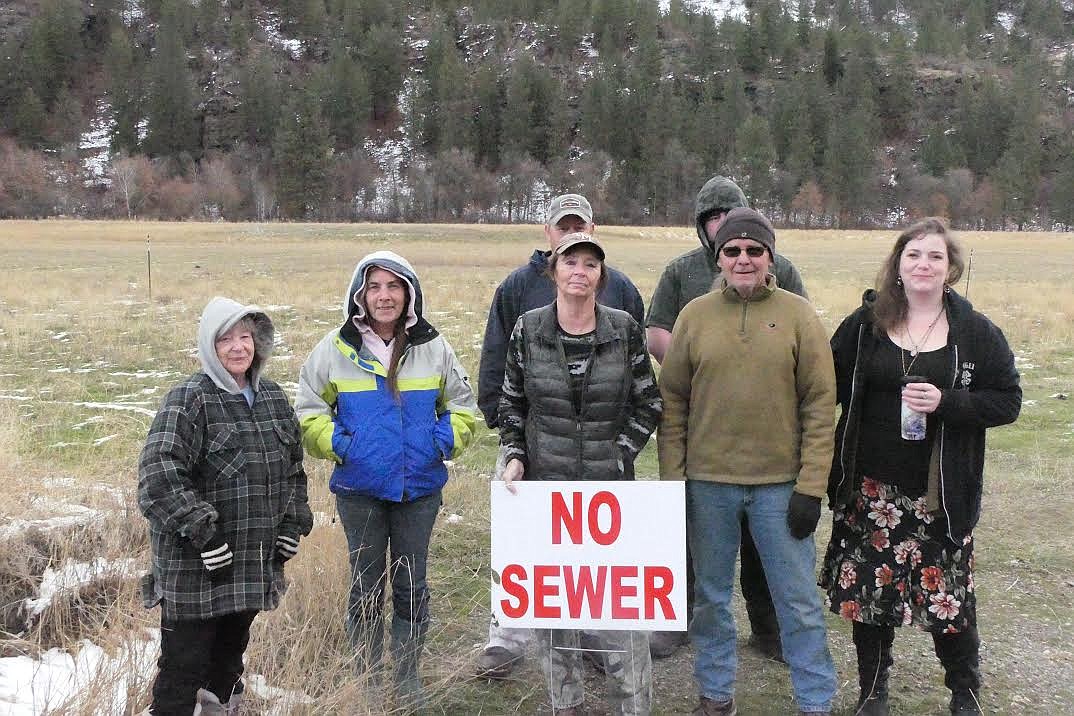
(385, 447)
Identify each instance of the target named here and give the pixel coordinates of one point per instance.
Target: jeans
(199, 654)
(714, 519)
(373, 527)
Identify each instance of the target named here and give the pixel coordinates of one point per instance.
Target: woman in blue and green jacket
(387, 400)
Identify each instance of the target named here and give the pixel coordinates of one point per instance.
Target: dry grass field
(86, 355)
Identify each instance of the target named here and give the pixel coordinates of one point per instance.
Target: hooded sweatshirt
(219, 316)
(216, 469)
(693, 274)
(385, 446)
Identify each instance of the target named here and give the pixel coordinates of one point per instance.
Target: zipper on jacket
(402, 470)
(943, 492)
(846, 424)
(745, 310)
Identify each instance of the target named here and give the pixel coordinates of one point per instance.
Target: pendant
(913, 352)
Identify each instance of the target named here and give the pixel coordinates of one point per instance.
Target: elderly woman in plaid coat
(221, 484)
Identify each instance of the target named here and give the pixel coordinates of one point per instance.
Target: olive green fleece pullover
(749, 392)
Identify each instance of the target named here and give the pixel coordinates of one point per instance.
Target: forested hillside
(828, 112)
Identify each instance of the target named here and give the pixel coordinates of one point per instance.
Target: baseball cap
(578, 238)
(569, 205)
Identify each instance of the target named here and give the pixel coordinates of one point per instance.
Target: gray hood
(719, 193)
(219, 316)
(389, 261)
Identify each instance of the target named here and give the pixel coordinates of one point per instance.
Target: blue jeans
(714, 512)
(373, 527)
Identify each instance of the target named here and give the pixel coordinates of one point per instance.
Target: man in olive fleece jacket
(749, 404)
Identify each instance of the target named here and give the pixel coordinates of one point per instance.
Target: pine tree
(833, 63)
(572, 23)
(848, 164)
(345, 94)
(29, 118)
(452, 102)
(756, 159)
(53, 48)
(124, 91)
(896, 99)
(66, 119)
(487, 113)
(733, 111)
(940, 152)
(384, 61)
(804, 24)
(983, 116)
(170, 101)
(301, 153)
(261, 96)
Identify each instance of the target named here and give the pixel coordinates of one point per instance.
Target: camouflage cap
(569, 205)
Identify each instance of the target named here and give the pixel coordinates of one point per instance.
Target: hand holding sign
(513, 471)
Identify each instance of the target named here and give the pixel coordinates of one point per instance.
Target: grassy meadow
(87, 353)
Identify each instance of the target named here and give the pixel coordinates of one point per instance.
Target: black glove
(286, 548)
(803, 514)
(217, 557)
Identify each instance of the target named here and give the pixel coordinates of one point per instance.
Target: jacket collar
(730, 294)
(548, 325)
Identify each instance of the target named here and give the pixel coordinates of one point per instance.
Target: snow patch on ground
(76, 681)
(71, 576)
(1006, 20)
(71, 516)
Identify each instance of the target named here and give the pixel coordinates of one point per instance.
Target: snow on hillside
(719, 9)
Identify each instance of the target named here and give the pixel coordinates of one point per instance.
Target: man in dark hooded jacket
(684, 279)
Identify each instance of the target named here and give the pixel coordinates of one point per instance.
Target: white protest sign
(589, 555)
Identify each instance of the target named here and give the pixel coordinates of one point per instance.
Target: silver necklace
(916, 345)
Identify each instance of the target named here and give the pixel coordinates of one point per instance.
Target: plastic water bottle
(913, 422)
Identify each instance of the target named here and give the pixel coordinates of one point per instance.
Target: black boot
(408, 640)
(960, 655)
(873, 644)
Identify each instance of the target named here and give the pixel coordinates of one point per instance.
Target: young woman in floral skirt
(920, 377)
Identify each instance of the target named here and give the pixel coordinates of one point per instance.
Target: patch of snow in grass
(118, 406)
(79, 515)
(14, 397)
(73, 575)
(1006, 19)
(285, 701)
(35, 686)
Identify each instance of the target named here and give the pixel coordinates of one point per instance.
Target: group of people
(744, 411)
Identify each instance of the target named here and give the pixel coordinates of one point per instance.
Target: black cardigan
(982, 391)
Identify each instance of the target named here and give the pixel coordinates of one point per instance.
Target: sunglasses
(732, 252)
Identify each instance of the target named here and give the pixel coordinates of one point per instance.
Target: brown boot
(711, 707)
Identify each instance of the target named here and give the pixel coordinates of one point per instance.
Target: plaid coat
(213, 466)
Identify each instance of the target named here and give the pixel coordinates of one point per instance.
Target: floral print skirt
(890, 563)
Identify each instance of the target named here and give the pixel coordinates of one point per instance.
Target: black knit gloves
(217, 557)
(803, 514)
(286, 548)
